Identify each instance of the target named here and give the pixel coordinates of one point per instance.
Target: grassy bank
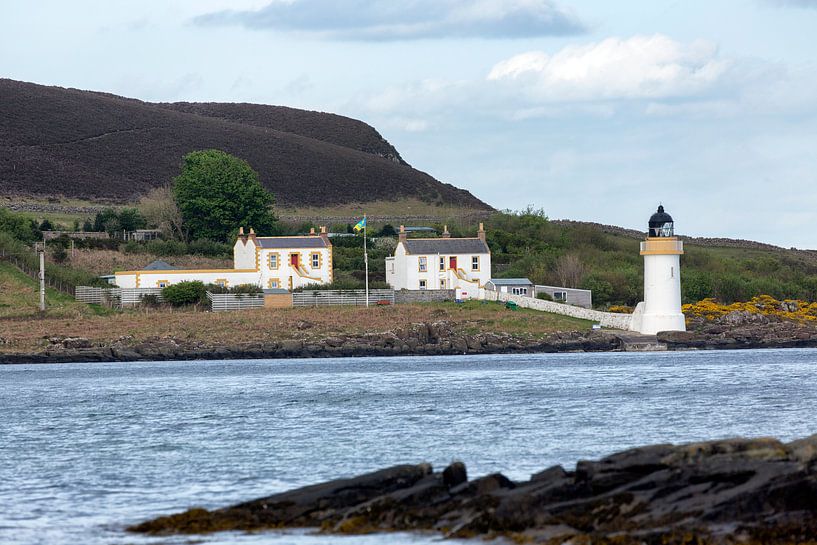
(20, 299)
(280, 324)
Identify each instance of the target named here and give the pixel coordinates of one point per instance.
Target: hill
(57, 142)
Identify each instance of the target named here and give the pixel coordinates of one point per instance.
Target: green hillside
(604, 259)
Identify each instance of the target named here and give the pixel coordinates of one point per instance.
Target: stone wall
(423, 296)
(606, 319)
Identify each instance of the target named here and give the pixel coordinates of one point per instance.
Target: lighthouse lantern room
(661, 308)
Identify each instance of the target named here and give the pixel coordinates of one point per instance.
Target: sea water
(87, 449)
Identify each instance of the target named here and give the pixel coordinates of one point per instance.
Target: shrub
(149, 300)
(59, 254)
(210, 248)
(165, 248)
(185, 293)
(246, 289)
(544, 296)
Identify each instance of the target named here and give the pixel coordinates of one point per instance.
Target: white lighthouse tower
(661, 309)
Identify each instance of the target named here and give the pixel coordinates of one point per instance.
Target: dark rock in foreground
(732, 491)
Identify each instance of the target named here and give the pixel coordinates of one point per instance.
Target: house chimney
(312, 231)
(252, 234)
(481, 233)
(241, 236)
(401, 236)
(324, 234)
(446, 234)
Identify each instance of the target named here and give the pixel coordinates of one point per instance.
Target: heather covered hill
(333, 128)
(81, 144)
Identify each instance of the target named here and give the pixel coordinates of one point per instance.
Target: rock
(292, 346)
(333, 341)
(455, 474)
(719, 492)
(742, 317)
(76, 342)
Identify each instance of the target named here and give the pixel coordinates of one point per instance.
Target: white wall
(151, 279)
(606, 319)
(407, 273)
(286, 272)
(662, 294)
(244, 254)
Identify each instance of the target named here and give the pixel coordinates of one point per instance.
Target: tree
(160, 210)
(570, 270)
(46, 225)
(107, 221)
(130, 219)
(217, 193)
(387, 231)
(18, 226)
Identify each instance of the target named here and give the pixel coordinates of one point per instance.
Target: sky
(591, 110)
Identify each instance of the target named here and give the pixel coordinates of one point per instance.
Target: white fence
(606, 319)
(116, 297)
(317, 298)
(220, 302)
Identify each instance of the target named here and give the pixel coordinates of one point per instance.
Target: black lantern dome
(661, 224)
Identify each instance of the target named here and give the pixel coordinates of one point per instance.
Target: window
(273, 261)
(442, 262)
(475, 263)
(423, 264)
(274, 283)
(162, 284)
(316, 261)
(221, 282)
(560, 296)
(422, 284)
(520, 291)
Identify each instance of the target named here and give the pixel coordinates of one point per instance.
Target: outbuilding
(514, 286)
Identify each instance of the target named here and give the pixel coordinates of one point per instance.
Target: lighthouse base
(651, 323)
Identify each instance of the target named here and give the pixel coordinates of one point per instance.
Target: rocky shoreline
(422, 339)
(725, 492)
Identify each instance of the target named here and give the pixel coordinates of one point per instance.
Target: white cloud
(638, 67)
(405, 20)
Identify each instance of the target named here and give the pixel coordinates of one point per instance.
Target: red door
(293, 260)
(452, 263)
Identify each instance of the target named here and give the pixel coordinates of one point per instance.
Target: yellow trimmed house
(267, 262)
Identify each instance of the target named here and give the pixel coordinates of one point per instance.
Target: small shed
(143, 235)
(277, 298)
(570, 296)
(514, 286)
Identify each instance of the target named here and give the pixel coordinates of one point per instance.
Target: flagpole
(366, 259)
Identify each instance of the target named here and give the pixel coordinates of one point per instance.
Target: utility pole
(41, 251)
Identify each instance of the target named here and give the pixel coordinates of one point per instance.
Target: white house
(463, 264)
(268, 262)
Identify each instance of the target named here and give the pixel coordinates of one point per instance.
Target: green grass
(494, 317)
(19, 298)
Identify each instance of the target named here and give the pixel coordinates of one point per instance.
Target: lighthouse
(661, 308)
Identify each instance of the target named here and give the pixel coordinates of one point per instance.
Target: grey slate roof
(292, 242)
(446, 246)
(510, 282)
(160, 265)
